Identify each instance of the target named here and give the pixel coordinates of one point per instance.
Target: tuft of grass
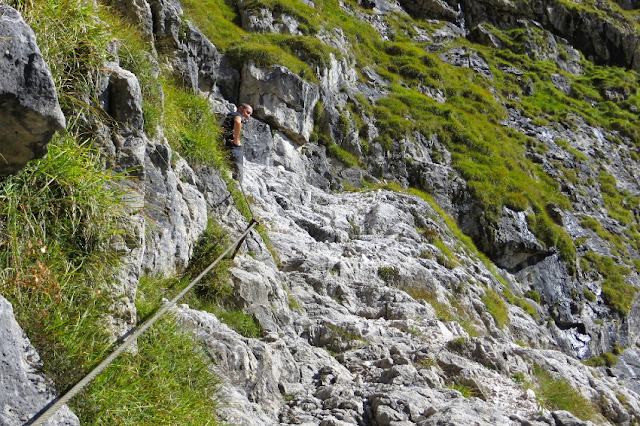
(589, 295)
(389, 275)
(496, 307)
(533, 295)
(61, 216)
(294, 305)
(243, 323)
(466, 387)
(446, 257)
(169, 381)
(558, 394)
(344, 156)
(606, 359)
(191, 127)
(342, 339)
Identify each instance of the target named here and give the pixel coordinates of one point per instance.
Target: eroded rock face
(23, 390)
(345, 344)
(280, 98)
(175, 207)
(194, 58)
(29, 109)
(604, 38)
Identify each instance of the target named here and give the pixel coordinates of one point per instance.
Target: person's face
(246, 112)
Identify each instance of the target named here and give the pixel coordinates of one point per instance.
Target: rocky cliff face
(375, 311)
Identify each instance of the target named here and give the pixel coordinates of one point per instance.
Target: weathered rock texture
(281, 98)
(344, 342)
(374, 311)
(29, 110)
(23, 389)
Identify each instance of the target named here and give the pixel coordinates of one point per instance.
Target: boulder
(29, 109)
(24, 391)
(281, 98)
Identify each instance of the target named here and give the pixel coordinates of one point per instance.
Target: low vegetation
(616, 292)
(558, 394)
(61, 217)
(497, 307)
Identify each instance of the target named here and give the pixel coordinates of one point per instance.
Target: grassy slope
(491, 157)
(59, 294)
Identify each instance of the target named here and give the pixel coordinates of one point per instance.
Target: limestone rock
(280, 98)
(23, 389)
(120, 96)
(29, 109)
(195, 59)
(176, 208)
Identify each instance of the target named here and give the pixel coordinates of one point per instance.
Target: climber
(231, 128)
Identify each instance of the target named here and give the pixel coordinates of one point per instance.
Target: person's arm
(237, 127)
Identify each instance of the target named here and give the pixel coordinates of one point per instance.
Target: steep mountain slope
(448, 197)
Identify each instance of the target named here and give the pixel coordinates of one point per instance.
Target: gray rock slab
(29, 109)
(23, 390)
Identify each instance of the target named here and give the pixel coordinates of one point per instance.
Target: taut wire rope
(44, 415)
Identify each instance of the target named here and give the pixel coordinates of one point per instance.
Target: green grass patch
(169, 381)
(606, 359)
(496, 307)
(446, 257)
(191, 128)
(617, 294)
(558, 394)
(344, 156)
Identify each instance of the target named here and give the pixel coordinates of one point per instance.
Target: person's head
(246, 110)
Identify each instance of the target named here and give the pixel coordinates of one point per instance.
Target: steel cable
(43, 416)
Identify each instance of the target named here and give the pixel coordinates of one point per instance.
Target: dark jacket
(227, 128)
